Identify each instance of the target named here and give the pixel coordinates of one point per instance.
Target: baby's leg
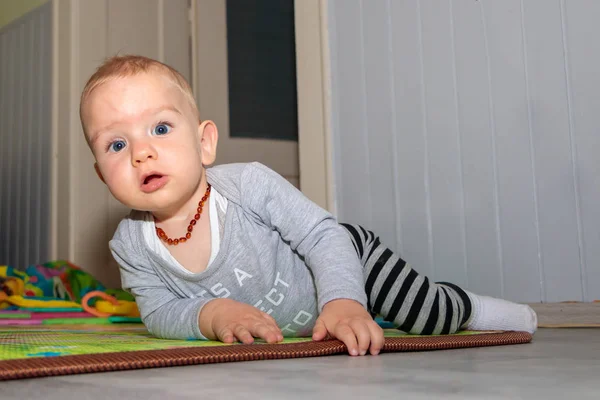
(399, 294)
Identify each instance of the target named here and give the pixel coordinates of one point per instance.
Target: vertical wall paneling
(471, 128)
(26, 235)
(334, 106)
(36, 106)
(378, 95)
(4, 84)
(349, 84)
(25, 67)
(18, 98)
(43, 73)
(515, 168)
(483, 256)
(549, 118)
(580, 30)
(20, 137)
(443, 151)
(412, 196)
(9, 139)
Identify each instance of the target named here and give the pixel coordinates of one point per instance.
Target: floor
(558, 363)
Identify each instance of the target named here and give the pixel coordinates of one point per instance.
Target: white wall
(465, 133)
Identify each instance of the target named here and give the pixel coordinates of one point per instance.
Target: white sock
(489, 313)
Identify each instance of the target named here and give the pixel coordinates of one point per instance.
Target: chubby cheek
(185, 158)
(120, 181)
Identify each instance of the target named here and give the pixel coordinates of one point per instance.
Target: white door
(211, 87)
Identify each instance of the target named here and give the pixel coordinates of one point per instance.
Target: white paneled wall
(25, 134)
(465, 132)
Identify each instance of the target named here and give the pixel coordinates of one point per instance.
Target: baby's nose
(143, 154)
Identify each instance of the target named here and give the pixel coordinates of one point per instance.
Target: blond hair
(131, 65)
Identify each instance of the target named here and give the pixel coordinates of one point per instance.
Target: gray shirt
(280, 252)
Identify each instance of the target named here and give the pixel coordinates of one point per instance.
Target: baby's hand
(348, 321)
(227, 320)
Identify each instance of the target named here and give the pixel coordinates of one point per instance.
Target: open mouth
(152, 177)
(153, 182)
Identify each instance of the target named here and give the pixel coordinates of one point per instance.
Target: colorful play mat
(58, 349)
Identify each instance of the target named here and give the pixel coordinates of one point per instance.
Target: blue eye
(162, 129)
(117, 146)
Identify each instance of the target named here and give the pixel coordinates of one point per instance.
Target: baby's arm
(327, 251)
(164, 314)
(167, 316)
(310, 231)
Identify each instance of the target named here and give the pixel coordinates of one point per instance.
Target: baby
(235, 252)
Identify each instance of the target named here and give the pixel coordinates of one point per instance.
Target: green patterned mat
(22, 342)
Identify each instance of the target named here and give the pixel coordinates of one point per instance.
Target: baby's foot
(488, 313)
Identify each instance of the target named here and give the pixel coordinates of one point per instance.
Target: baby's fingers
(243, 334)
(319, 331)
(363, 334)
(267, 332)
(274, 327)
(344, 333)
(377, 338)
(226, 335)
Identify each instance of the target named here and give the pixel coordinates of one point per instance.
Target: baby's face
(147, 142)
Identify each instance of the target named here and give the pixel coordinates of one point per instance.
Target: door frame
(313, 87)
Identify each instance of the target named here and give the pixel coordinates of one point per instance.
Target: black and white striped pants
(400, 295)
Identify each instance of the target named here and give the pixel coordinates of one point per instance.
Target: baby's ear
(209, 136)
(99, 173)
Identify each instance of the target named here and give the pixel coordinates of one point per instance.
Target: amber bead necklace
(163, 236)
